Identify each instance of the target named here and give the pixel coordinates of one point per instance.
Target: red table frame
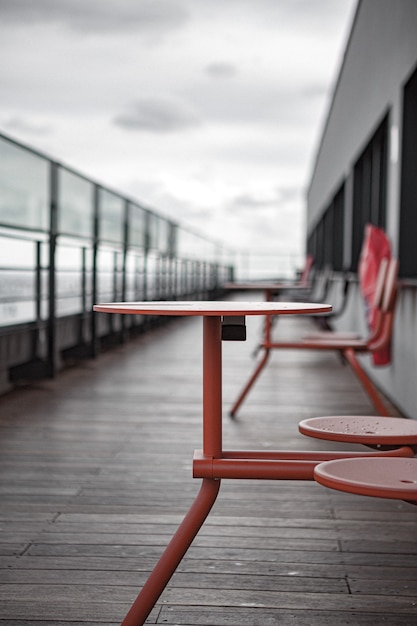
(212, 462)
(271, 290)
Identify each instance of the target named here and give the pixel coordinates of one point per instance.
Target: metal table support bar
(173, 554)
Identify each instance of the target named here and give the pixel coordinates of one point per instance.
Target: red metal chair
(378, 340)
(378, 303)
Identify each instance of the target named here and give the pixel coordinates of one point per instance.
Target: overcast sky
(207, 110)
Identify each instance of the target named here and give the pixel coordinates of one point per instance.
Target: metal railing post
(53, 208)
(123, 318)
(94, 279)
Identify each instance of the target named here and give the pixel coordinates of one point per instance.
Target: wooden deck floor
(96, 474)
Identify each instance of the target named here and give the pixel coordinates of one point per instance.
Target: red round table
(212, 462)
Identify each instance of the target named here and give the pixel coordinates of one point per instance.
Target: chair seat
(379, 477)
(369, 430)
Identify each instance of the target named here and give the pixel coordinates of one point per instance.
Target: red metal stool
(371, 430)
(389, 477)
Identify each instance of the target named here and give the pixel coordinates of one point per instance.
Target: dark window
(369, 188)
(319, 258)
(338, 229)
(311, 244)
(408, 210)
(326, 241)
(328, 237)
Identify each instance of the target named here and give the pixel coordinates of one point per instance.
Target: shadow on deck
(96, 474)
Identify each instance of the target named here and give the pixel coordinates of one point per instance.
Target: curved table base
(255, 464)
(173, 554)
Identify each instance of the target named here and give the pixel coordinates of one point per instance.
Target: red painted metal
(364, 429)
(211, 308)
(382, 478)
(212, 387)
(269, 294)
(377, 342)
(252, 379)
(277, 465)
(350, 356)
(173, 554)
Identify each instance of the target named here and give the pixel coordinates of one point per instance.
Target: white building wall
(381, 54)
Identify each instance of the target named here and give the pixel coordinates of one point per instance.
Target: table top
(212, 308)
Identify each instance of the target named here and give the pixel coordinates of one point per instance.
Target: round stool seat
(369, 430)
(381, 477)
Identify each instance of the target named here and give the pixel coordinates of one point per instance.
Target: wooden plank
(56, 609)
(120, 570)
(315, 601)
(226, 616)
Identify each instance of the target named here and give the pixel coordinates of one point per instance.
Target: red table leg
(212, 387)
(265, 345)
(173, 554)
(250, 382)
(212, 442)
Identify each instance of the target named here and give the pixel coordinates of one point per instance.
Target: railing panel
(24, 185)
(111, 217)
(76, 205)
(67, 242)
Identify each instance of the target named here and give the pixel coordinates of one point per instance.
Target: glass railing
(52, 218)
(67, 242)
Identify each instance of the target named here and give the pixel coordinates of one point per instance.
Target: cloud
(248, 202)
(276, 199)
(218, 101)
(221, 70)
(158, 115)
(19, 124)
(98, 15)
(298, 15)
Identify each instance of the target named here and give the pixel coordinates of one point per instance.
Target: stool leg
(173, 553)
(250, 382)
(367, 384)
